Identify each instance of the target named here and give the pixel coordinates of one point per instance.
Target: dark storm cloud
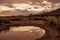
(19, 1)
(4, 1)
(10, 1)
(54, 1)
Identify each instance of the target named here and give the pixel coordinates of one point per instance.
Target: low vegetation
(50, 23)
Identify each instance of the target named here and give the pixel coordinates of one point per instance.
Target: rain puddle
(22, 33)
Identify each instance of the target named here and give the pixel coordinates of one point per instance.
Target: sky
(19, 1)
(23, 7)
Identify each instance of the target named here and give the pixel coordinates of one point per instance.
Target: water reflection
(22, 33)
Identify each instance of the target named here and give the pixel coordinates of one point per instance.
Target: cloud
(5, 8)
(24, 1)
(54, 1)
(27, 9)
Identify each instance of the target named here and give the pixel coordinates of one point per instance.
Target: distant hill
(52, 13)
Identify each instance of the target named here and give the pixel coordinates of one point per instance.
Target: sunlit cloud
(5, 8)
(22, 6)
(46, 2)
